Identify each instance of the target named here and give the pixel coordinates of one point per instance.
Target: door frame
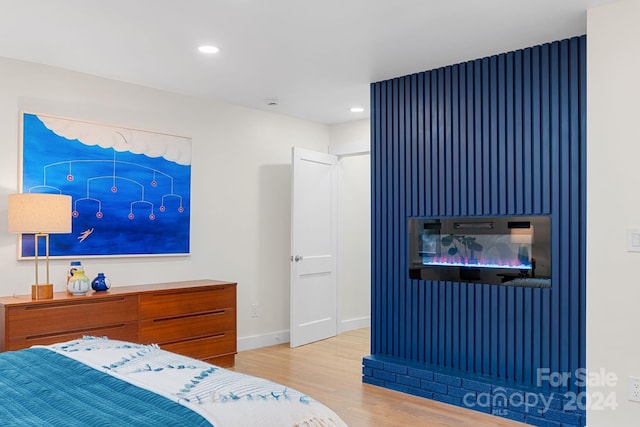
(356, 148)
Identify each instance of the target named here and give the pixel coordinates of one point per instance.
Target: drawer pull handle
(190, 315)
(73, 304)
(194, 338)
(183, 292)
(79, 331)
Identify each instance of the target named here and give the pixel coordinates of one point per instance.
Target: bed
(102, 382)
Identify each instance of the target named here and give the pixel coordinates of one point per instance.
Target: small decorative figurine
(101, 283)
(77, 283)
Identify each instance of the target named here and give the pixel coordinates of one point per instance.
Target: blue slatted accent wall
(503, 135)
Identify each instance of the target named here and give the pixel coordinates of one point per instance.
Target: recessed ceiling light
(208, 49)
(356, 109)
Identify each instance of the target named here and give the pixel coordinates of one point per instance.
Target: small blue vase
(100, 283)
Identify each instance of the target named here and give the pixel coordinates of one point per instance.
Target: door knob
(298, 258)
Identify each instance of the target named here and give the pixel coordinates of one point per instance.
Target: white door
(314, 234)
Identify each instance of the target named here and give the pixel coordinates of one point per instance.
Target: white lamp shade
(39, 213)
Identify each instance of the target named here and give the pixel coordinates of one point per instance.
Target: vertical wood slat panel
(379, 224)
(528, 159)
(502, 310)
(447, 142)
(493, 142)
(463, 311)
(376, 190)
(384, 245)
(394, 232)
(479, 341)
(470, 347)
(423, 328)
(519, 193)
(454, 126)
(404, 105)
(510, 139)
(564, 304)
(433, 142)
(494, 136)
(512, 323)
(555, 185)
(485, 140)
(536, 130)
(412, 160)
(461, 129)
(441, 143)
(581, 232)
(476, 141)
(520, 334)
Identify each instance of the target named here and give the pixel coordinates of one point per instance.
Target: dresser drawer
(78, 315)
(220, 344)
(175, 303)
(123, 331)
(176, 328)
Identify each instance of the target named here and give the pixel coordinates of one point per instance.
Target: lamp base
(45, 291)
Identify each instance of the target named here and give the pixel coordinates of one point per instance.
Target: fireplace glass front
(509, 250)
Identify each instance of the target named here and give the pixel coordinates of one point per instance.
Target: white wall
(613, 204)
(355, 222)
(355, 243)
(352, 137)
(240, 212)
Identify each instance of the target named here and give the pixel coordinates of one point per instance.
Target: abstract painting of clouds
(131, 189)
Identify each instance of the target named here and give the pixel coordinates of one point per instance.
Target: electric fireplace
(508, 250)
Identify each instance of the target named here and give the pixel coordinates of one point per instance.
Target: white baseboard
(357, 323)
(266, 340)
(281, 337)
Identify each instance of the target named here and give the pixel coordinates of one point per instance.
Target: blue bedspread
(41, 388)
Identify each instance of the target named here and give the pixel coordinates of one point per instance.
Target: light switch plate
(633, 240)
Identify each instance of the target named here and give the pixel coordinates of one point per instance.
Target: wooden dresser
(195, 318)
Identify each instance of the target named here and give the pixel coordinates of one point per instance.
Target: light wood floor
(330, 371)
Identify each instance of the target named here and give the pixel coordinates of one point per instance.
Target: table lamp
(40, 214)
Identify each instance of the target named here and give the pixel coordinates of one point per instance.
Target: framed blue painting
(130, 189)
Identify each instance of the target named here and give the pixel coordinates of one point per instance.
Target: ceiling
(316, 58)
